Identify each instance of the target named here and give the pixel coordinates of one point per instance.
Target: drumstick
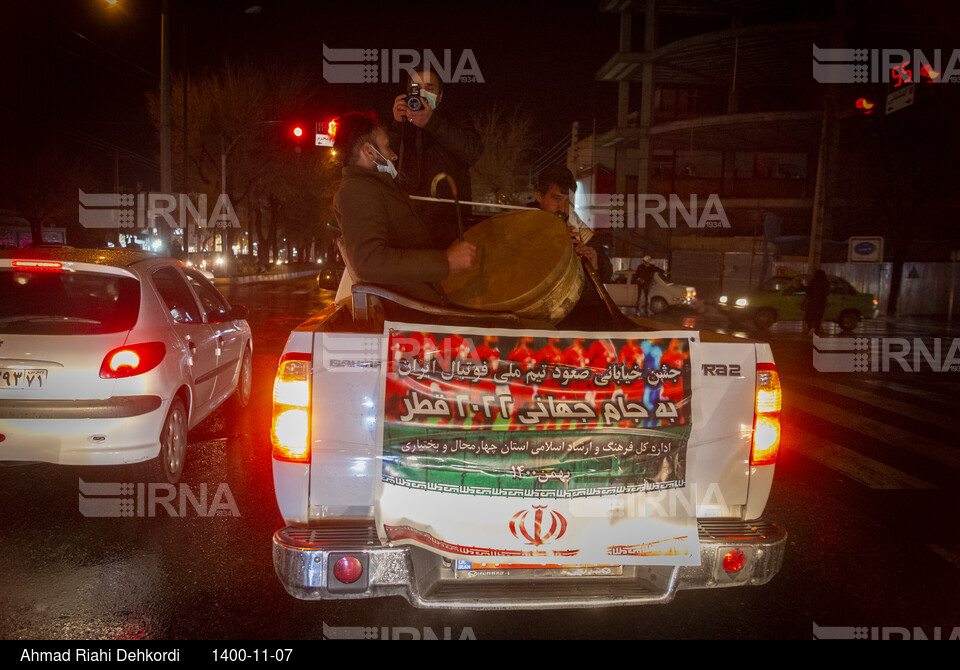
(619, 320)
(494, 205)
(456, 202)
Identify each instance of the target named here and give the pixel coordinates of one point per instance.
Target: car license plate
(20, 378)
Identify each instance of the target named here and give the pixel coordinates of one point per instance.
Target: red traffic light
(928, 72)
(865, 105)
(297, 131)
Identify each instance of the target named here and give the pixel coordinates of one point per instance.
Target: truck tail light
(733, 561)
(348, 569)
(290, 428)
(766, 418)
(348, 572)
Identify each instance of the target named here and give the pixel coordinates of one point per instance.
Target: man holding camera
(384, 242)
(428, 141)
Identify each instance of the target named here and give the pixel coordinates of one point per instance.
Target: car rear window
(65, 303)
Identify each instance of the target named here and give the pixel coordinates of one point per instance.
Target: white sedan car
(662, 295)
(111, 357)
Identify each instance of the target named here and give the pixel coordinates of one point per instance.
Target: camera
(414, 101)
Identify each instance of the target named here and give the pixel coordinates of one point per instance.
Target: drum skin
(525, 264)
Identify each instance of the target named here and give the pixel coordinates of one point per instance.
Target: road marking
(861, 468)
(923, 394)
(898, 406)
(896, 437)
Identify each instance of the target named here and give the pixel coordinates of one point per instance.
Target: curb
(251, 279)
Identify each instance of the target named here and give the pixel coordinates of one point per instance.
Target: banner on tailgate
(539, 448)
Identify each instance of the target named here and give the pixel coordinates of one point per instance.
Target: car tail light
(290, 428)
(766, 418)
(48, 266)
(132, 360)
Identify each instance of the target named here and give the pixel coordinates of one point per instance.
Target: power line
(108, 147)
(152, 75)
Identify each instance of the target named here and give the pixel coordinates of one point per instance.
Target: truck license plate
(481, 569)
(19, 378)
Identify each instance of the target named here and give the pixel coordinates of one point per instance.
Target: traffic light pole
(819, 198)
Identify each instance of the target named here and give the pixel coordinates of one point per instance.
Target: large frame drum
(525, 264)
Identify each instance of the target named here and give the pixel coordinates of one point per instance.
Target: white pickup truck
(467, 462)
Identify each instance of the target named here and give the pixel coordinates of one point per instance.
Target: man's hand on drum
(461, 255)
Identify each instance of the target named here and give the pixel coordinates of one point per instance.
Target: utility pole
(185, 225)
(165, 163)
(819, 197)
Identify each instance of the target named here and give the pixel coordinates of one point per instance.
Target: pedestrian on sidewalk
(815, 303)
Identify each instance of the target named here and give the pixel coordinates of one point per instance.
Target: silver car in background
(110, 357)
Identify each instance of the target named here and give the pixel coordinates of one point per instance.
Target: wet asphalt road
(855, 557)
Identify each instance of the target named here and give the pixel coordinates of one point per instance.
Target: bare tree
(507, 138)
(43, 189)
(238, 116)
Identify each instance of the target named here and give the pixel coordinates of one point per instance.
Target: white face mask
(429, 98)
(389, 168)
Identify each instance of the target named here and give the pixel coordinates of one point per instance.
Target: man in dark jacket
(384, 241)
(643, 277)
(553, 195)
(429, 141)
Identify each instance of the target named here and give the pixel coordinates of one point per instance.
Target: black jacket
(443, 145)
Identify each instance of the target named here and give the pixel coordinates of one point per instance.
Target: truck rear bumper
(304, 559)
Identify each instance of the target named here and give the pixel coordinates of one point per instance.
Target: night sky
(75, 73)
